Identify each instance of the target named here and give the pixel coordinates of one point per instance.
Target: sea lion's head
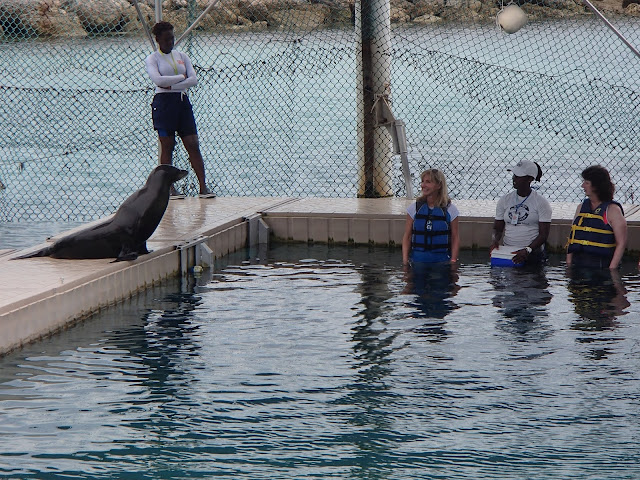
(169, 173)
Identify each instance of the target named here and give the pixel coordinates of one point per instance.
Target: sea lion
(125, 235)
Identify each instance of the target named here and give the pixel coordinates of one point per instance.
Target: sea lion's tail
(43, 252)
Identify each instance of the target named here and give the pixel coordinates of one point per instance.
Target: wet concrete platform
(41, 295)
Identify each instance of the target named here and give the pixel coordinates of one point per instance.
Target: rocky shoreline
(79, 18)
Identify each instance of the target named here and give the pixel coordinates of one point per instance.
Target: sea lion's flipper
(126, 255)
(43, 252)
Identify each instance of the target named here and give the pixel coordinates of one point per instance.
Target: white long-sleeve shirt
(167, 70)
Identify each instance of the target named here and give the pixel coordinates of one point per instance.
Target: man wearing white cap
(523, 217)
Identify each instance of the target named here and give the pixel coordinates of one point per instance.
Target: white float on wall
(511, 18)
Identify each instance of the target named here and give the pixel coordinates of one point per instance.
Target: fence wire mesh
(279, 103)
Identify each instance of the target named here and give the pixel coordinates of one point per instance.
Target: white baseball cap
(525, 168)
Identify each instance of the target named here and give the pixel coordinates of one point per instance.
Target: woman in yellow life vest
(599, 231)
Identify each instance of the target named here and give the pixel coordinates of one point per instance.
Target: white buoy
(512, 18)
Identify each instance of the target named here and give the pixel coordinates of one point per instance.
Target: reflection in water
(434, 286)
(116, 386)
(522, 296)
(599, 296)
(306, 368)
(165, 343)
(369, 393)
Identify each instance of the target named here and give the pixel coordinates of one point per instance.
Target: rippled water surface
(324, 362)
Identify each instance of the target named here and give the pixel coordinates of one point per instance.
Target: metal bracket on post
(258, 230)
(385, 118)
(204, 255)
(184, 260)
(263, 232)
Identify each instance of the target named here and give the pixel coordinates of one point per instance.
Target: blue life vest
(591, 233)
(431, 236)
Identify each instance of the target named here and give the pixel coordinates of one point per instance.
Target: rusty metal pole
(373, 31)
(367, 99)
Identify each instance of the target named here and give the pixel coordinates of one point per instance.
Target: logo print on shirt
(522, 212)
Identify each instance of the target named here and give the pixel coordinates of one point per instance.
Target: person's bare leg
(192, 145)
(167, 144)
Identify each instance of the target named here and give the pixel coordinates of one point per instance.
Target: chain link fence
(279, 100)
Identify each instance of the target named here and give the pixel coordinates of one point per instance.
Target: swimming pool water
(318, 362)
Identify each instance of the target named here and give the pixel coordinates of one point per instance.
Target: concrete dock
(42, 295)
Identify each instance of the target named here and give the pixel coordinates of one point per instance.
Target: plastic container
(503, 257)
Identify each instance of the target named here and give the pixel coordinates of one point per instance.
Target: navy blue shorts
(172, 112)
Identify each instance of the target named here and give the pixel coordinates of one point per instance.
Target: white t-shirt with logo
(521, 216)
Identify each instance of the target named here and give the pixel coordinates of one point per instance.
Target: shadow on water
(434, 286)
(521, 296)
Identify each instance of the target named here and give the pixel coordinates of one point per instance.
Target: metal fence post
(373, 33)
(158, 5)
